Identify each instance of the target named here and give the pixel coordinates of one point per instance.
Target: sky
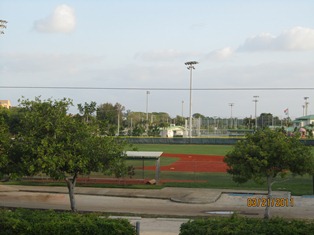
(142, 45)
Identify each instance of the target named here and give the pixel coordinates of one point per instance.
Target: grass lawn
(296, 185)
(300, 185)
(221, 150)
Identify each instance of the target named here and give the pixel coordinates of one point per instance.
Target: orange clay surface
(193, 163)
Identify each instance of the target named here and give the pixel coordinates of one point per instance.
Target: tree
(198, 115)
(265, 120)
(153, 130)
(111, 116)
(60, 145)
(4, 144)
(87, 110)
(138, 130)
(267, 154)
(2, 25)
(179, 120)
(9, 127)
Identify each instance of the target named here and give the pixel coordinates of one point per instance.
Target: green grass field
(300, 185)
(221, 150)
(296, 185)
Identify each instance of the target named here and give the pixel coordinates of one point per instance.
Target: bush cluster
(31, 222)
(247, 226)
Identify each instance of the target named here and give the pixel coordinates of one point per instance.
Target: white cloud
(297, 38)
(164, 55)
(62, 20)
(221, 54)
(21, 63)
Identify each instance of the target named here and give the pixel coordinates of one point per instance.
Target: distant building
(303, 121)
(303, 125)
(173, 131)
(5, 103)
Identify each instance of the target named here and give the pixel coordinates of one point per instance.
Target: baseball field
(203, 166)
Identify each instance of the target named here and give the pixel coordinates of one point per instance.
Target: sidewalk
(183, 195)
(159, 211)
(176, 201)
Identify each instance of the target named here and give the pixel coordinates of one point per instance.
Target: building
(303, 121)
(303, 125)
(5, 103)
(173, 131)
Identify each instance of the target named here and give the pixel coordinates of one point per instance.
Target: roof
(143, 154)
(174, 128)
(308, 117)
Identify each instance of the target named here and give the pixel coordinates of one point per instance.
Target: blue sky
(144, 44)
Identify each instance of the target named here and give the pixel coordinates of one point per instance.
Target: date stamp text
(270, 202)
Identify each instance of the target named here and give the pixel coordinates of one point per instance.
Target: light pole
(190, 66)
(215, 127)
(303, 106)
(306, 104)
(231, 105)
(255, 100)
(147, 93)
(182, 108)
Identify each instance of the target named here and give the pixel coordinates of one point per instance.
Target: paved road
(165, 202)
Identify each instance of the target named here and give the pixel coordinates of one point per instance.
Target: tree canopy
(266, 154)
(61, 145)
(4, 144)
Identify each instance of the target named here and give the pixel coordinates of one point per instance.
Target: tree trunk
(71, 185)
(269, 196)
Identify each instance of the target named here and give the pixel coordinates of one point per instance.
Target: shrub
(241, 225)
(31, 222)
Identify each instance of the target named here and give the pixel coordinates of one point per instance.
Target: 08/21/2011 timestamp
(270, 202)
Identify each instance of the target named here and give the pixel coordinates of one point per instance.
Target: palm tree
(2, 25)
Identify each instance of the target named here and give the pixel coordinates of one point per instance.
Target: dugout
(146, 155)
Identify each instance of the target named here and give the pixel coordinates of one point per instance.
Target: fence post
(137, 228)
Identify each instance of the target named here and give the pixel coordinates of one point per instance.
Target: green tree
(4, 145)
(265, 120)
(60, 145)
(111, 117)
(179, 120)
(153, 130)
(267, 154)
(138, 130)
(198, 115)
(249, 122)
(87, 110)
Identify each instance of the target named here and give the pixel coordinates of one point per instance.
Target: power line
(161, 88)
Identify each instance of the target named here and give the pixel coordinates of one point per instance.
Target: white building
(173, 131)
(303, 121)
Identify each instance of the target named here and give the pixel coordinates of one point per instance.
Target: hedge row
(29, 222)
(241, 225)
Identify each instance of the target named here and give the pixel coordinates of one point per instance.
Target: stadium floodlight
(190, 66)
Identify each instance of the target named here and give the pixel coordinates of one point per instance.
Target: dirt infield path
(193, 163)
